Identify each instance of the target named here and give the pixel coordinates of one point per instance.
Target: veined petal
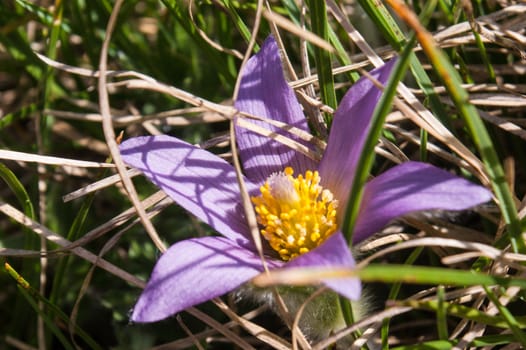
(334, 252)
(349, 130)
(410, 187)
(191, 272)
(197, 180)
(265, 93)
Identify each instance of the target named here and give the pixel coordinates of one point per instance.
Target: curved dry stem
(109, 133)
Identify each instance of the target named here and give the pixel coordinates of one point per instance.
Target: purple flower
(298, 215)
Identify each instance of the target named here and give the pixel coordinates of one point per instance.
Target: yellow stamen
(296, 214)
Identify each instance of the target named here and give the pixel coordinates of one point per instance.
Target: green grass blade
(33, 296)
(48, 79)
(513, 323)
(74, 232)
(379, 14)
(216, 58)
(239, 23)
(340, 52)
(47, 320)
(31, 242)
(367, 157)
(391, 31)
(42, 14)
(441, 313)
(490, 340)
(423, 145)
(478, 132)
(434, 275)
(323, 58)
(393, 295)
(18, 189)
(468, 313)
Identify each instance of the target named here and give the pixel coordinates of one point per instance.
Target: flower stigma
(296, 213)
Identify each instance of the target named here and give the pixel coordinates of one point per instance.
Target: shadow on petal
(410, 187)
(349, 130)
(197, 180)
(264, 92)
(194, 271)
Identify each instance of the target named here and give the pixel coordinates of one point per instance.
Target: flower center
(296, 213)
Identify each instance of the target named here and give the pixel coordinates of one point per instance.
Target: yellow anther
(296, 214)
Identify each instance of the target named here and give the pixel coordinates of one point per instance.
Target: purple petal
(349, 130)
(265, 93)
(193, 271)
(411, 187)
(334, 252)
(197, 180)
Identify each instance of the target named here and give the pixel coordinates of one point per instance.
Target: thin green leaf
(464, 312)
(490, 340)
(434, 275)
(216, 58)
(323, 58)
(396, 38)
(393, 295)
(239, 23)
(42, 14)
(441, 313)
(513, 323)
(18, 189)
(478, 132)
(367, 157)
(32, 296)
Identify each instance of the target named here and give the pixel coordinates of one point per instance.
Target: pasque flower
(298, 201)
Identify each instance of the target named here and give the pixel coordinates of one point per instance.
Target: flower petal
(334, 252)
(197, 180)
(265, 93)
(410, 187)
(191, 272)
(349, 130)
